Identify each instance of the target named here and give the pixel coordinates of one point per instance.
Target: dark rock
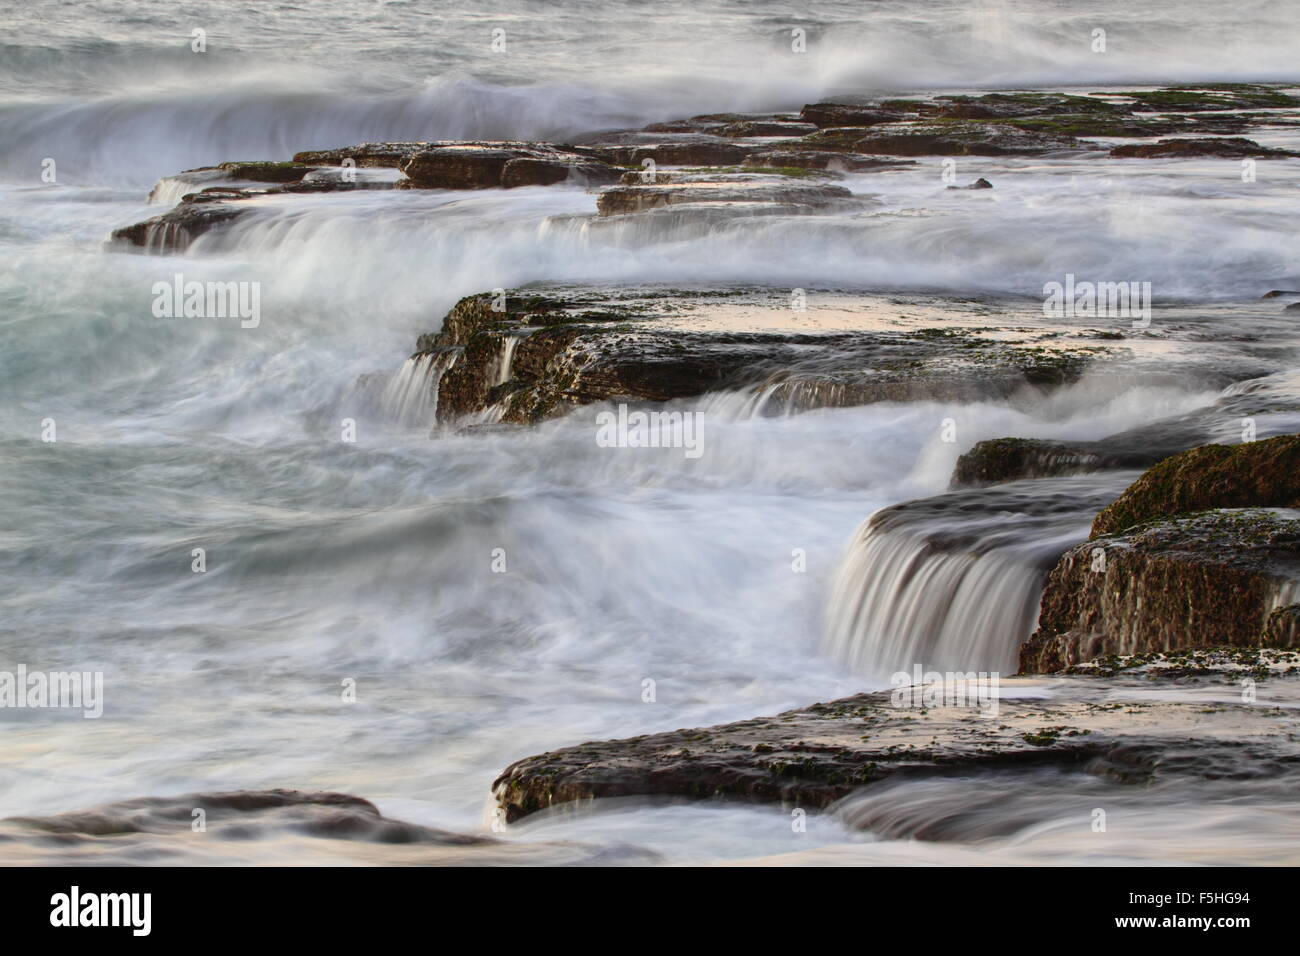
(824, 159)
(742, 188)
(176, 229)
(948, 139)
(574, 347)
(1210, 97)
(1018, 105)
(1192, 581)
(390, 155)
(746, 128)
(814, 756)
(265, 172)
(535, 171)
(687, 151)
(829, 115)
(459, 167)
(1260, 474)
(1223, 148)
(1010, 459)
(1282, 629)
(978, 184)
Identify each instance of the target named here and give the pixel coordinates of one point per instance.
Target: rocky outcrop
(1009, 459)
(1234, 147)
(831, 115)
(814, 756)
(543, 351)
(1272, 399)
(747, 128)
(267, 172)
(1194, 581)
(947, 139)
(174, 230)
(1254, 474)
(823, 159)
(506, 165)
(839, 138)
(683, 150)
(739, 190)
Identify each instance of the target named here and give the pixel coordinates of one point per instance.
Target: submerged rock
(1271, 403)
(824, 159)
(1223, 147)
(1254, 474)
(176, 229)
(813, 756)
(947, 139)
(732, 189)
(1179, 583)
(1009, 459)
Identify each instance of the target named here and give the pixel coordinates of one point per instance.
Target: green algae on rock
(1261, 474)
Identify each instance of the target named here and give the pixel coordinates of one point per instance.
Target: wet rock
(200, 212)
(174, 230)
(390, 155)
(747, 128)
(743, 188)
(267, 172)
(813, 756)
(830, 115)
(1223, 148)
(539, 171)
(980, 183)
(1192, 581)
(316, 814)
(824, 159)
(1211, 97)
(1019, 105)
(999, 460)
(949, 139)
(458, 167)
(1282, 629)
(547, 351)
(487, 165)
(1260, 474)
(685, 150)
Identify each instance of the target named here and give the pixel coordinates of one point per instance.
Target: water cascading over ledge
(953, 582)
(411, 396)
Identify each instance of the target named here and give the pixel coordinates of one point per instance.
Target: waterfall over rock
(411, 396)
(953, 582)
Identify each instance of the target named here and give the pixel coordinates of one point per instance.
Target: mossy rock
(1262, 474)
(267, 172)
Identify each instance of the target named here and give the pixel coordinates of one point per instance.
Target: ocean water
(370, 565)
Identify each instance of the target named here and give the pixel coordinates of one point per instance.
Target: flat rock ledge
(814, 756)
(546, 350)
